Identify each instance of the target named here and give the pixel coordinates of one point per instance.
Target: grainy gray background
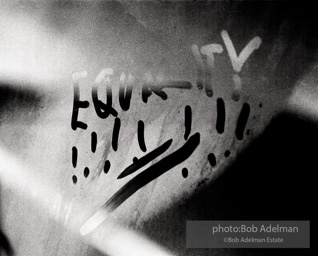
(43, 43)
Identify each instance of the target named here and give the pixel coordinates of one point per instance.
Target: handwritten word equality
(156, 86)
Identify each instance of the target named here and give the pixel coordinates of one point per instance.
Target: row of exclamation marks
(240, 125)
(86, 171)
(220, 127)
(115, 136)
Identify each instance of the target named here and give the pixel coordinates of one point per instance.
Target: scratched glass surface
(119, 110)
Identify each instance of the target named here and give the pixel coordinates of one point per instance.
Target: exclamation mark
(242, 121)
(187, 121)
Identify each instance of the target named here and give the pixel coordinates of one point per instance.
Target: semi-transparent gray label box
(248, 234)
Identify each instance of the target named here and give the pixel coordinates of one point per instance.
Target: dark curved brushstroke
(141, 136)
(139, 163)
(187, 121)
(152, 173)
(242, 121)
(220, 122)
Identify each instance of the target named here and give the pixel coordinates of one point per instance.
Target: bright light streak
(111, 238)
(304, 100)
